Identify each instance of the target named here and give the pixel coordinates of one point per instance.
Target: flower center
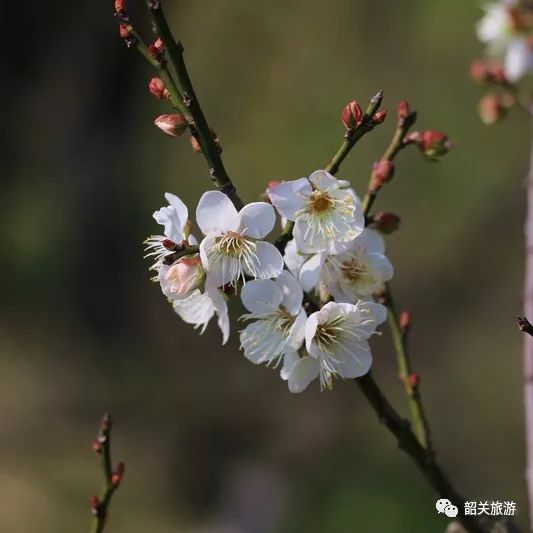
(328, 334)
(232, 244)
(352, 269)
(321, 202)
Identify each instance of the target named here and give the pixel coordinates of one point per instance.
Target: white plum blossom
(336, 339)
(200, 307)
(174, 218)
(232, 248)
(323, 209)
(358, 268)
(278, 321)
(500, 30)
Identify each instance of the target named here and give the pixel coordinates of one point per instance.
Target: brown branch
(524, 325)
(112, 477)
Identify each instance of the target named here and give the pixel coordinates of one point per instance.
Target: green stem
(416, 407)
(201, 129)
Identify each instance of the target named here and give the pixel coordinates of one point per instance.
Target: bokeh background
(212, 443)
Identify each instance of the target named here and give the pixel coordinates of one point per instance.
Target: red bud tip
(413, 380)
(403, 109)
(272, 184)
(491, 109)
(433, 143)
(157, 88)
(352, 115)
(382, 173)
(479, 71)
(173, 125)
(96, 446)
(405, 320)
(169, 244)
(386, 222)
(95, 502)
(125, 31)
(380, 116)
(156, 48)
(120, 6)
(117, 475)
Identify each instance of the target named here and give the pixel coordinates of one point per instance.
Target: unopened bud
(352, 115)
(491, 109)
(433, 143)
(380, 116)
(96, 446)
(185, 275)
(382, 172)
(405, 321)
(403, 110)
(479, 71)
(413, 380)
(95, 502)
(125, 31)
(173, 125)
(157, 48)
(117, 475)
(386, 222)
(120, 6)
(157, 88)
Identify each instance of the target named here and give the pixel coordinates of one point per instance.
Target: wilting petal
(290, 196)
(303, 372)
(216, 214)
(261, 296)
(257, 219)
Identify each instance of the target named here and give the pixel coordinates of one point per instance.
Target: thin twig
(201, 129)
(112, 478)
(524, 325)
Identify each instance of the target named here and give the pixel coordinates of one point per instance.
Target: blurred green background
(213, 444)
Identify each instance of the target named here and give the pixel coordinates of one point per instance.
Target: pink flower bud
(413, 380)
(173, 125)
(120, 6)
(405, 321)
(479, 71)
(434, 143)
(185, 275)
(157, 88)
(386, 222)
(380, 116)
(382, 173)
(125, 31)
(491, 109)
(352, 115)
(403, 109)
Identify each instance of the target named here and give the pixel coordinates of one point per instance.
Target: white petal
(382, 265)
(323, 180)
(257, 219)
(308, 242)
(270, 261)
(289, 196)
(297, 333)
(518, 60)
(356, 359)
(221, 309)
(178, 205)
(168, 217)
(216, 214)
(197, 309)
(294, 259)
(310, 329)
(311, 270)
(370, 241)
(261, 296)
(290, 358)
(304, 371)
(377, 311)
(205, 246)
(260, 343)
(292, 292)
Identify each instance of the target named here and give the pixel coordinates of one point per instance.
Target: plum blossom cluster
(309, 310)
(506, 30)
